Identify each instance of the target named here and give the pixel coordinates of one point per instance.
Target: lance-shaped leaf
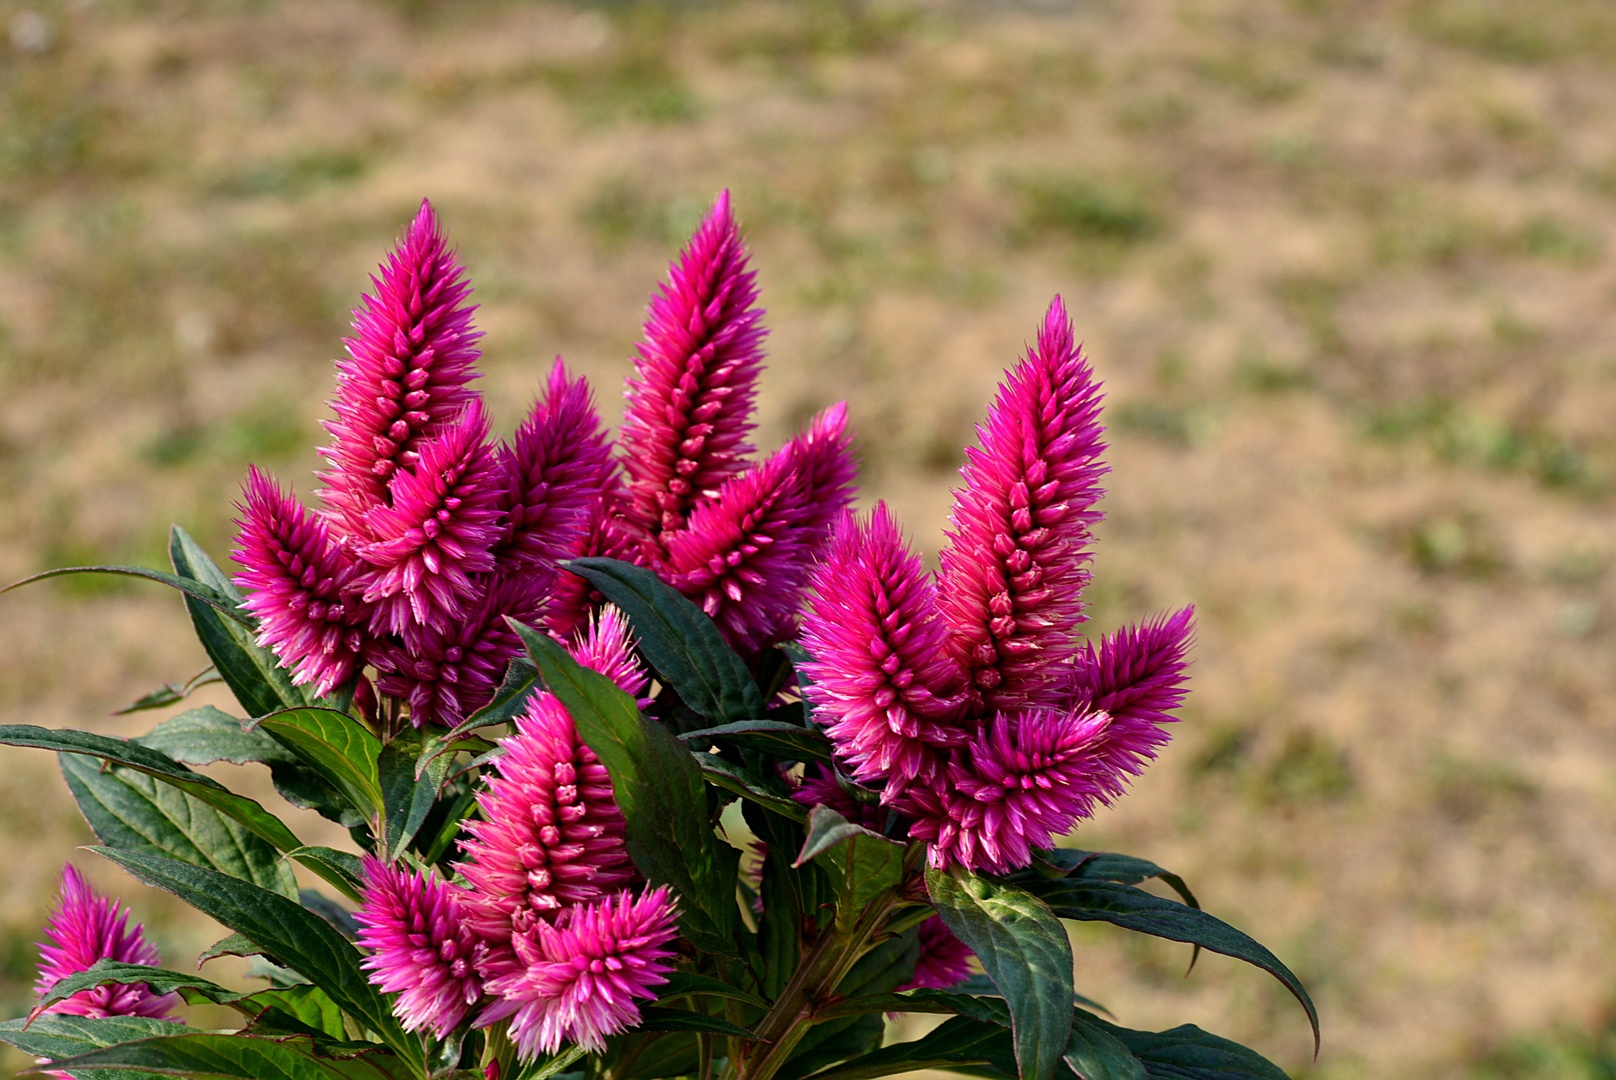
(226, 604)
(407, 798)
(654, 1018)
(340, 868)
(1103, 866)
(308, 1006)
(884, 968)
(58, 1035)
(678, 639)
(287, 932)
(337, 747)
(789, 742)
(207, 734)
(160, 766)
(1135, 909)
(193, 988)
(862, 865)
(737, 779)
(924, 1000)
(253, 673)
(689, 984)
(169, 693)
(1188, 1053)
(659, 788)
(1024, 950)
(959, 1043)
(509, 701)
(129, 809)
(201, 1054)
(1094, 1053)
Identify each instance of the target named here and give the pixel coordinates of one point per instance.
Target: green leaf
(659, 788)
(337, 747)
(861, 864)
(544, 1068)
(982, 986)
(253, 673)
(159, 981)
(925, 1000)
(737, 779)
(956, 1043)
(289, 934)
(689, 984)
(340, 868)
(169, 693)
(58, 1035)
(234, 945)
(882, 969)
(1135, 909)
(678, 639)
(1094, 1053)
(207, 734)
(1024, 950)
(407, 799)
(161, 766)
(303, 787)
(129, 809)
(227, 605)
(308, 1005)
(201, 1054)
(790, 742)
(653, 1018)
(1105, 866)
(1188, 1053)
(510, 701)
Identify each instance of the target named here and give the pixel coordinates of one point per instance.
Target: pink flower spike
(406, 375)
(1025, 780)
(824, 454)
(551, 834)
(86, 928)
(552, 473)
(578, 978)
(1138, 676)
(945, 960)
(423, 949)
(296, 579)
(884, 683)
(1012, 577)
(608, 533)
(690, 398)
(607, 647)
(436, 533)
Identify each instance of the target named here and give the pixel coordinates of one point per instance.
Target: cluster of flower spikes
(430, 537)
(969, 696)
(548, 933)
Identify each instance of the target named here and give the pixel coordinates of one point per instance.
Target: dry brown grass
(1349, 279)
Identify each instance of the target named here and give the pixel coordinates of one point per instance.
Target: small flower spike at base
(86, 928)
(580, 977)
(424, 951)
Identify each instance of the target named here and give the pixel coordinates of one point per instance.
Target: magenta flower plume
(297, 579)
(552, 473)
(884, 683)
(423, 949)
(580, 977)
(551, 834)
(1021, 527)
(409, 363)
(607, 533)
(690, 399)
(605, 646)
(86, 928)
(1024, 780)
(436, 533)
(945, 960)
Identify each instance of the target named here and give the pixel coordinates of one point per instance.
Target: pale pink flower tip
(945, 960)
(884, 683)
(1013, 575)
(551, 834)
(579, 978)
(690, 399)
(296, 579)
(86, 928)
(423, 949)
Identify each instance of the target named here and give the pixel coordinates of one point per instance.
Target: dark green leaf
(201, 1054)
(1188, 1053)
(229, 606)
(660, 790)
(303, 787)
(1024, 950)
(308, 1005)
(883, 969)
(253, 673)
(169, 693)
(406, 798)
(1093, 1052)
(1135, 909)
(799, 656)
(129, 809)
(204, 735)
(981, 985)
(340, 918)
(336, 746)
(737, 779)
(790, 898)
(341, 869)
(678, 639)
(234, 945)
(289, 934)
(990, 1009)
(509, 702)
(1108, 866)
(861, 864)
(690, 984)
(957, 1042)
(161, 766)
(58, 1035)
(653, 1018)
(544, 1068)
(787, 741)
(194, 987)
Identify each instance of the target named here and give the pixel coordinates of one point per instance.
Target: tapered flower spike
(1013, 575)
(945, 960)
(581, 979)
(605, 646)
(552, 474)
(85, 928)
(297, 583)
(551, 834)
(437, 533)
(690, 399)
(609, 534)
(423, 949)
(408, 366)
(1023, 781)
(884, 683)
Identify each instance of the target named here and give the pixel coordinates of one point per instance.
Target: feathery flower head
(945, 960)
(423, 949)
(86, 928)
(690, 399)
(579, 977)
(884, 682)
(408, 366)
(1012, 577)
(296, 579)
(606, 646)
(437, 531)
(551, 834)
(607, 533)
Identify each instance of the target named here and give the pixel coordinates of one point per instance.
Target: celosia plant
(556, 687)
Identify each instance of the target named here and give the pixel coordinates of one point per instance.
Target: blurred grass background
(1345, 269)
